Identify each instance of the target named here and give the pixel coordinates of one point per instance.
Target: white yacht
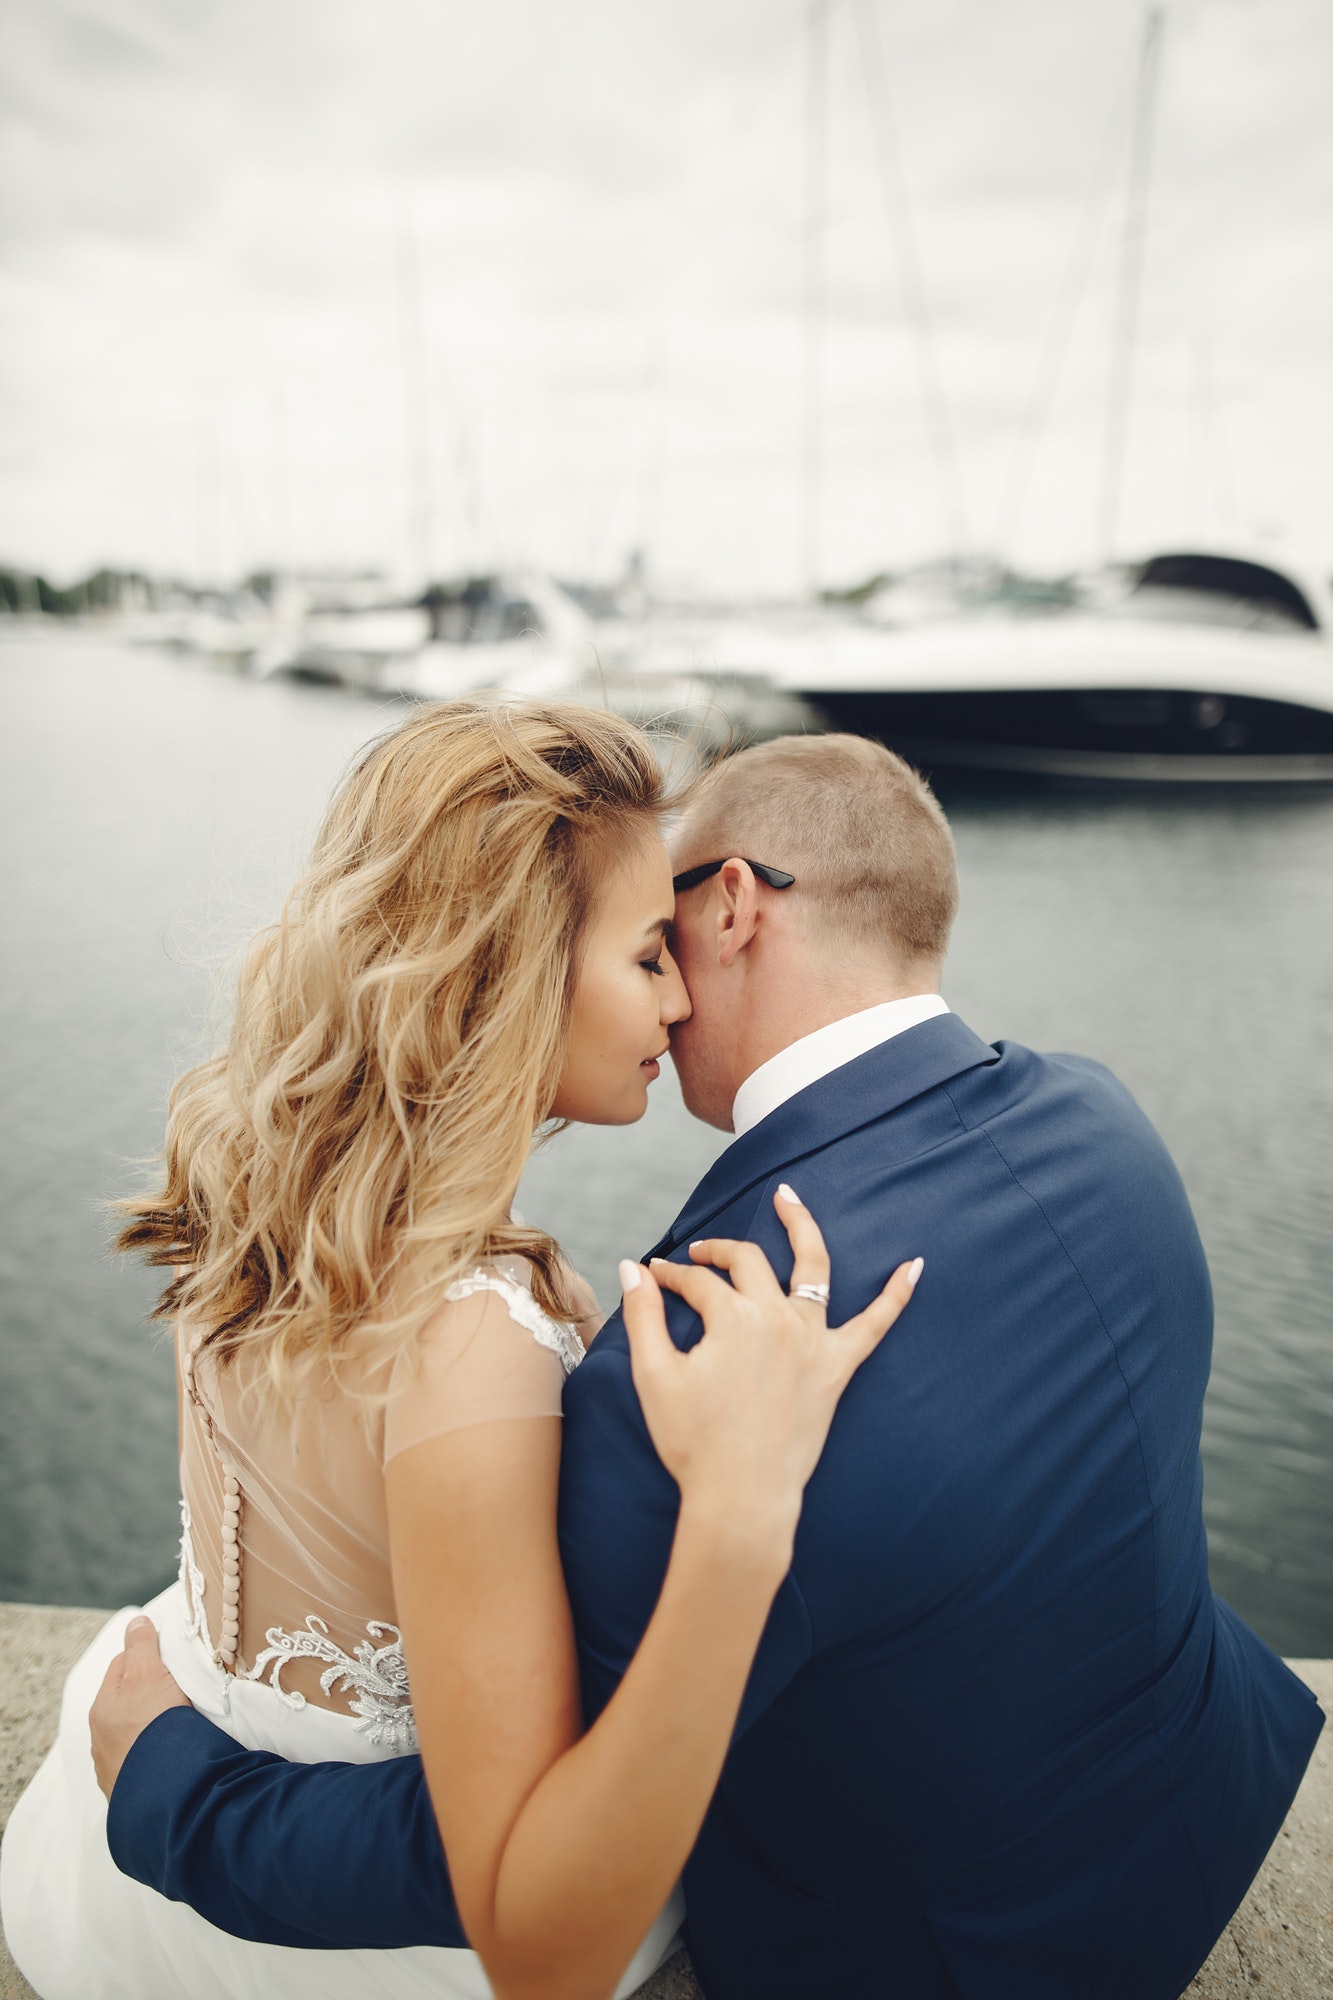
(1205, 665)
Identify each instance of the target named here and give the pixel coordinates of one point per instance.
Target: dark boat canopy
(1231, 578)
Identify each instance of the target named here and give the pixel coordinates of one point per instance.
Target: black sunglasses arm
(776, 878)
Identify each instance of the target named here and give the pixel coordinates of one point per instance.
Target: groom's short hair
(860, 830)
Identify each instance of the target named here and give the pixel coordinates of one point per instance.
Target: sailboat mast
(1121, 383)
(816, 220)
(911, 283)
(416, 414)
(208, 505)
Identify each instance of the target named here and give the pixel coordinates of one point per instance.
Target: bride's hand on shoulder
(740, 1419)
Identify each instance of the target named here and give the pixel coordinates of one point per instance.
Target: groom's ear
(737, 909)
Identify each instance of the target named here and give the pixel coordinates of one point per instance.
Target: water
(153, 812)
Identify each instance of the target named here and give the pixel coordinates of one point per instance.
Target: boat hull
(1114, 732)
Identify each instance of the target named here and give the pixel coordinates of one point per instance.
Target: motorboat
(527, 637)
(1193, 664)
(518, 633)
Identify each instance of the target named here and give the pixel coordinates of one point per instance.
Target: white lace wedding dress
(281, 1631)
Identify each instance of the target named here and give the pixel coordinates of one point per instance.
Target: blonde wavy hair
(397, 1040)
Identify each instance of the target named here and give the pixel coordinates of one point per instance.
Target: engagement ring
(817, 1294)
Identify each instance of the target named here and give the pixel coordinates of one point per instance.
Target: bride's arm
(561, 1848)
(350, 1855)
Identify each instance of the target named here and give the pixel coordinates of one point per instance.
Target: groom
(1000, 1740)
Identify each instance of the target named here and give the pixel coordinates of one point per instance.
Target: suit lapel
(870, 1087)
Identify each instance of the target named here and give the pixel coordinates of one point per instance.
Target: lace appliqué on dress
(555, 1334)
(375, 1677)
(195, 1621)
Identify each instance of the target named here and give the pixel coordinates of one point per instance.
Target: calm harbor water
(153, 813)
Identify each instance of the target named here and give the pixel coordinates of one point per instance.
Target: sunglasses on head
(776, 878)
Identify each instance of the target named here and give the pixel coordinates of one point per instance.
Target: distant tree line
(105, 590)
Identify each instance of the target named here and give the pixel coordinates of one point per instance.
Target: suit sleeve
(319, 1856)
(618, 1507)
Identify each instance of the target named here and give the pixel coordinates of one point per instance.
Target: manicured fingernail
(135, 1624)
(914, 1270)
(631, 1277)
(789, 1193)
(699, 1245)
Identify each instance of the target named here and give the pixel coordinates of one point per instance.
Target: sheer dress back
(286, 1531)
(285, 1543)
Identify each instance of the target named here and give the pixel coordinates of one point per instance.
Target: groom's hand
(137, 1689)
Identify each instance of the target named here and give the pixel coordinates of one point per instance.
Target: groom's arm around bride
(1000, 1738)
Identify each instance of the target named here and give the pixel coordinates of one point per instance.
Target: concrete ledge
(1280, 1941)
(38, 1646)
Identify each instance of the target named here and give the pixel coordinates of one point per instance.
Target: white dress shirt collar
(827, 1049)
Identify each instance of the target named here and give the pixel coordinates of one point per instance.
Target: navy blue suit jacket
(1000, 1739)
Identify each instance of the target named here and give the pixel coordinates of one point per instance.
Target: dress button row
(230, 1633)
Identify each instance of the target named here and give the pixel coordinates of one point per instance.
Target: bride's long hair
(398, 1038)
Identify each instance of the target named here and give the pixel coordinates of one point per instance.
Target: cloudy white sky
(215, 216)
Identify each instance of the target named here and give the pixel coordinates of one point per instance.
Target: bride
(370, 1349)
